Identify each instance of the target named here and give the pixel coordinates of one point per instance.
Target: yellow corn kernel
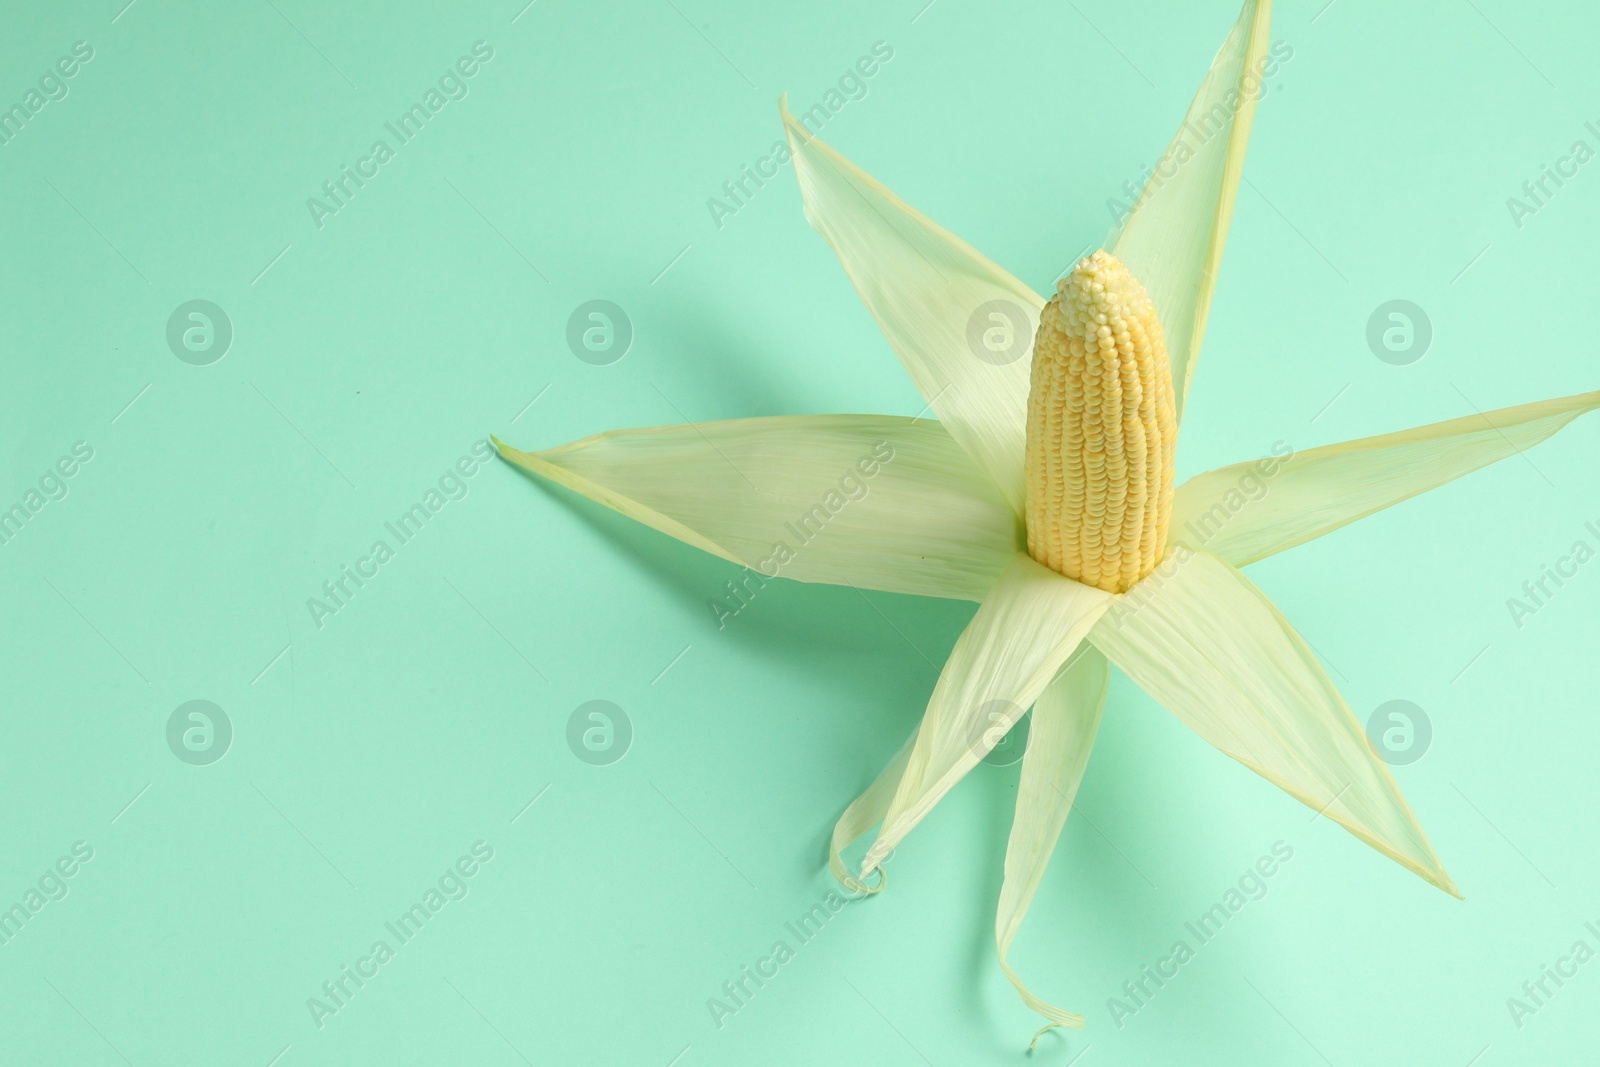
(1101, 430)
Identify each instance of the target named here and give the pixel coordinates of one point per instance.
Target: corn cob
(1100, 430)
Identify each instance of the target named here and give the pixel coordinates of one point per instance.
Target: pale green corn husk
(923, 285)
(1248, 511)
(1025, 629)
(865, 812)
(926, 520)
(1204, 642)
(1060, 735)
(1172, 240)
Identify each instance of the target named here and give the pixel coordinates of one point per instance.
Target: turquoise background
(368, 355)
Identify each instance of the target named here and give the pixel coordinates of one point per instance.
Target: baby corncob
(1101, 430)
